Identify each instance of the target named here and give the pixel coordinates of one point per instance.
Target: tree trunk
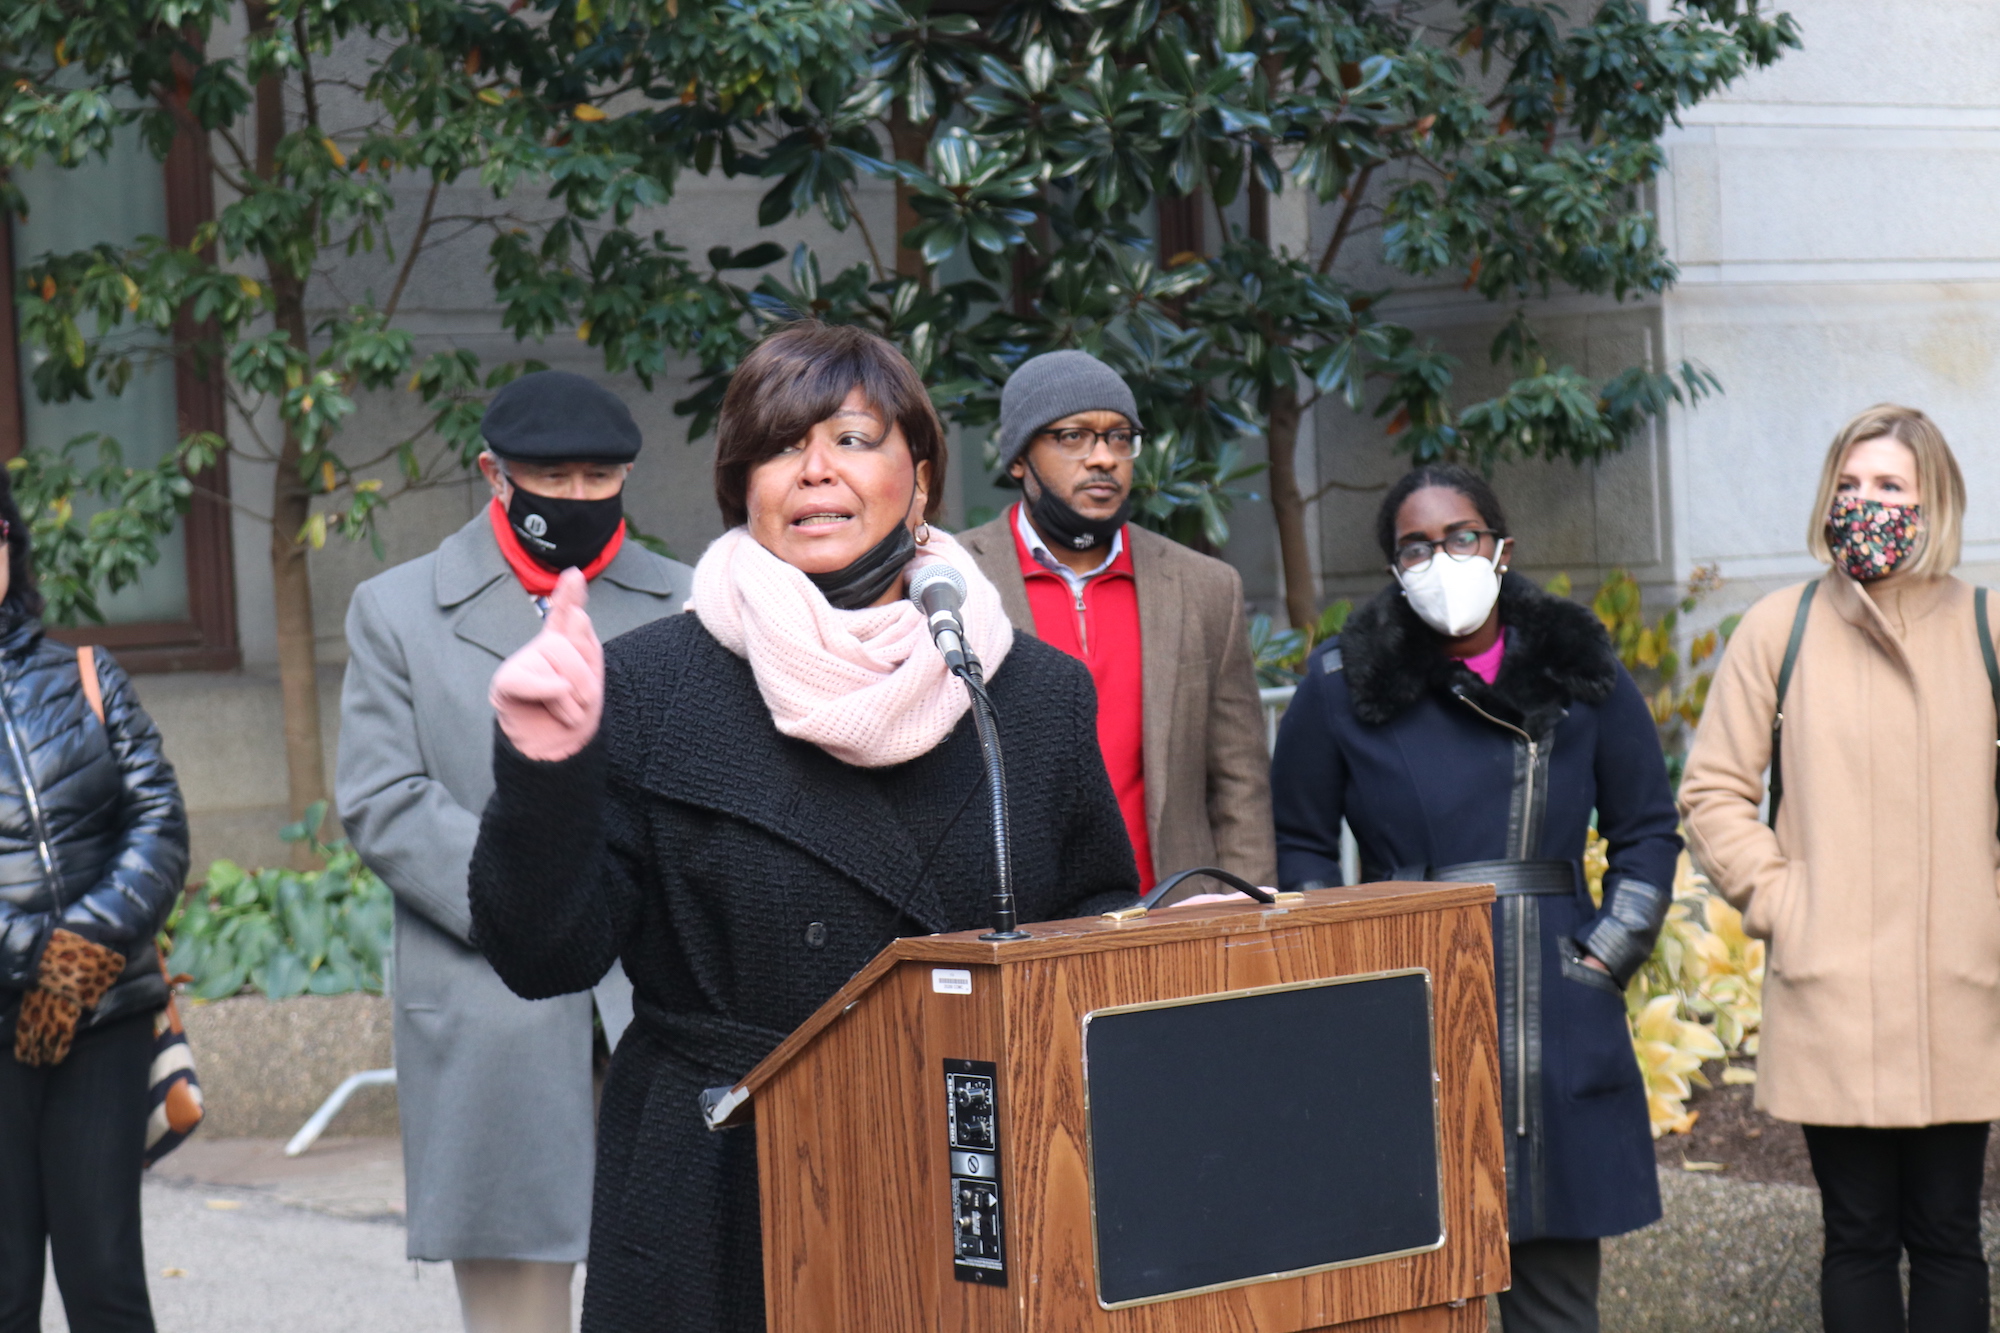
(1288, 507)
(908, 142)
(291, 591)
(1281, 437)
(291, 505)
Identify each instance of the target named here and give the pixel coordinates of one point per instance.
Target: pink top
(1486, 666)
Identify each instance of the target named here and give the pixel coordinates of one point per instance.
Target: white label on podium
(951, 981)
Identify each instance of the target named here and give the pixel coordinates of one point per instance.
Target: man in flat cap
(1160, 627)
(494, 1091)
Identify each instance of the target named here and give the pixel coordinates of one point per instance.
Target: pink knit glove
(550, 694)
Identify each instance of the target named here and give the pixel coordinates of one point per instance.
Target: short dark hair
(798, 377)
(22, 591)
(1452, 477)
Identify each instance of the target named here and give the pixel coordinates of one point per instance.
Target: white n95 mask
(1453, 597)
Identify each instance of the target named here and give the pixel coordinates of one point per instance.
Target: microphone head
(938, 587)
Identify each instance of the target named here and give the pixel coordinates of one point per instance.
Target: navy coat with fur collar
(1387, 733)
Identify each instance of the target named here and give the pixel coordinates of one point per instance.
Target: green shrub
(286, 932)
(1280, 654)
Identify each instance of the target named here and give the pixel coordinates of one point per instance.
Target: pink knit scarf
(868, 687)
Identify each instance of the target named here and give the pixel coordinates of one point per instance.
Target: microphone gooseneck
(986, 721)
(939, 592)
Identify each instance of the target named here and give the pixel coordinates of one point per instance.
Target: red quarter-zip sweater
(1101, 629)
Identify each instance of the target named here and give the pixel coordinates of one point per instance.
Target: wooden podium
(1057, 1134)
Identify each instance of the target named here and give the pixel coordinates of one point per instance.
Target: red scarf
(536, 577)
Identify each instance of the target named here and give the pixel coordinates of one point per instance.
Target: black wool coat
(743, 877)
(1430, 767)
(93, 835)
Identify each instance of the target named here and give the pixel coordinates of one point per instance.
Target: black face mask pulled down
(561, 534)
(863, 581)
(1058, 522)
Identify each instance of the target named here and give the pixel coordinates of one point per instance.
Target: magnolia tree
(1038, 150)
(1035, 145)
(310, 169)
(1494, 142)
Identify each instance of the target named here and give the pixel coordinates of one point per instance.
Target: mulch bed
(1750, 1145)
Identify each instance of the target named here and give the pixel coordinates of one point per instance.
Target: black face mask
(873, 573)
(1058, 522)
(562, 534)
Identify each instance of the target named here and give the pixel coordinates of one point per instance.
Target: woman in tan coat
(1876, 883)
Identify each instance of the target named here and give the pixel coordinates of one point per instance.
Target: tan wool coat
(1208, 774)
(1877, 890)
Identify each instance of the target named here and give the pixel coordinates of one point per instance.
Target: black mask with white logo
(863, 581)
(1062, 525)
(562, 534)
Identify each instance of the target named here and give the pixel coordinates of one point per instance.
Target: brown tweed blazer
(1208, 783)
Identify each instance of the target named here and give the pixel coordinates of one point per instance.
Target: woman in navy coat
(1466, 725)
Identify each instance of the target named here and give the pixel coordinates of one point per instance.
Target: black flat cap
(553, 416)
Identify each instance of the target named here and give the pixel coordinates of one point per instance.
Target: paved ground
(361, 1179)
(241, 1240)
(1729, 1254)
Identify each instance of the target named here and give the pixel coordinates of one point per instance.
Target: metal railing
(1276, 700)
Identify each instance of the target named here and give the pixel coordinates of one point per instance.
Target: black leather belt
(1508, 878)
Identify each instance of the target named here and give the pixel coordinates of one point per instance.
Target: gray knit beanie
(1052, 386)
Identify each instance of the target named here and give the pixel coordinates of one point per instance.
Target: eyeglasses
(1075, 443)
(1462, 544)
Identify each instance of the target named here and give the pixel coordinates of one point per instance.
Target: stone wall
(265, 1066)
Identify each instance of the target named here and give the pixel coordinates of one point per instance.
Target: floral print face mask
(1871, 539)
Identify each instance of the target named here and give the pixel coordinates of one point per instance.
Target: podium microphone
(939, 592)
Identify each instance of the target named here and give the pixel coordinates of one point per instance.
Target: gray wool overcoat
(494, 1090)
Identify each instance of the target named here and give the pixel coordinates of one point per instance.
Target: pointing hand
(550, 695)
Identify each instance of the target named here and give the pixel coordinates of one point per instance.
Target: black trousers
(1555, 1287)
(1887, 1191)
(71, 1139)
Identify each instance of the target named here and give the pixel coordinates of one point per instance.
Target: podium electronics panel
(1262, 1133)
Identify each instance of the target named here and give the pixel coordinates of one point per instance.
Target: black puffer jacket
(93, 838)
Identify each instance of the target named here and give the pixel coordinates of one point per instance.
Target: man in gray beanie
(1160, 627)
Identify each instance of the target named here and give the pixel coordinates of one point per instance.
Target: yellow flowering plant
(1698, 998)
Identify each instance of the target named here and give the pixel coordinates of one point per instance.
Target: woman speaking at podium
(747, 803)
(1466, 725)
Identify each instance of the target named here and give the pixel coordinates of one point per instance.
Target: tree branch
(874, 255)
(221, 498)
(1355, 190)
(1346, 486)
(306, 70)
(269, 455)
(363, 464)
(410, 257)
(244, 166)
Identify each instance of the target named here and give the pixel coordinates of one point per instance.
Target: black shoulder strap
(1785, 684)
(1992, 667)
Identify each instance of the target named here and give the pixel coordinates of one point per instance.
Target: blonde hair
(1940, 485)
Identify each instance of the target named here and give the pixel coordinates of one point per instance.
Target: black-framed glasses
(1074, 442)
(1462, 544)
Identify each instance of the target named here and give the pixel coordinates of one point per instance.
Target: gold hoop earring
(923, 534)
